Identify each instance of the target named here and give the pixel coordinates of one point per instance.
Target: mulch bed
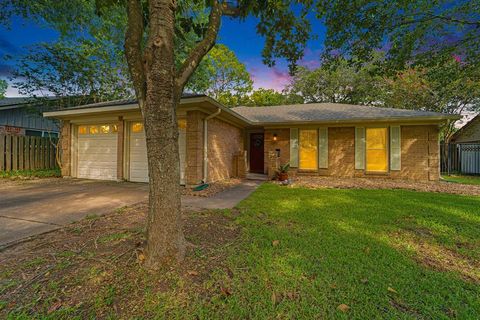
(213, 188)
(94, 267)
(363, 183)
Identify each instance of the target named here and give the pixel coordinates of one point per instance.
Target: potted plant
(282, 172)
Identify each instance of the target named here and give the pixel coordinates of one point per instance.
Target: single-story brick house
(107, 141)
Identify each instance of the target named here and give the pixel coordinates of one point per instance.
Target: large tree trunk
(158, 86)
(165, 240)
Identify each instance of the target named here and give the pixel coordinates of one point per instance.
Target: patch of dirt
(435, 256)
(213, 188)
(377, 183)
(93, 268)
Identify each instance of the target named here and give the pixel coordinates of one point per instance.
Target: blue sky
(239, 36)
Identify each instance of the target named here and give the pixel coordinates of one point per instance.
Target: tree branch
(455, 20)
(133, 48)
(202, 48)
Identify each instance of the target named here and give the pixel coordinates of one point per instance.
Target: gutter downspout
(205, 143)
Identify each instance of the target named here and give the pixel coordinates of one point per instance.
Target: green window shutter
(395, 148)
(294, 147)
(323, 148)
(359, 148)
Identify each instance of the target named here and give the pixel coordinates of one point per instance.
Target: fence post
(2, 152)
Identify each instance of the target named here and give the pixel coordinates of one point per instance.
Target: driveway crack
(29, 220)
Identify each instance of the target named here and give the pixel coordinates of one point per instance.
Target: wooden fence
(460, 158)
(27, 153)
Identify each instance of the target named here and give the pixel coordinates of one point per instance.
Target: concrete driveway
(36, 206)
(32, 207)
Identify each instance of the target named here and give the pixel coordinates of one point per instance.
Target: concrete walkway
(223, 200)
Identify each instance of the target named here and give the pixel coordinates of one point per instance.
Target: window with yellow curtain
(376, 148)
(308, 149)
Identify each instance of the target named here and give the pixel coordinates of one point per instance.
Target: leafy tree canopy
(420, 31)
(343, 83)
(451, 87)
(221, 74)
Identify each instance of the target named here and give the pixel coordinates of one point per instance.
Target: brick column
(66, 148)
(120, 148)
(194, 142)
(433, 154)
(272, 164)
(240, 164)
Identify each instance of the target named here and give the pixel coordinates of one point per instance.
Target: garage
(97, 152)
(138, 166)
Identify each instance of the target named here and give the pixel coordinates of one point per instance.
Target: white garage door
(97, 152)
(138, 152)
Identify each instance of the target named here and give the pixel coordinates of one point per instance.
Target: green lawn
(284, 253)
(381, 252)
(462, 179)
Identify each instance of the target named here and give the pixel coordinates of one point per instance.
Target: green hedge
(41, 173)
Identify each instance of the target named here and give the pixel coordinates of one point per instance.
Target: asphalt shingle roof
(319, 112)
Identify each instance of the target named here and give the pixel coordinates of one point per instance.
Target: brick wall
(341, 152)
(194, 142)
(282, 143)
(420, 153)
(66, 143)
(224, 142)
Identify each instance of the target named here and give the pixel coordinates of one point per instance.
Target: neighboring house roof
(332, 112)
(470, 132)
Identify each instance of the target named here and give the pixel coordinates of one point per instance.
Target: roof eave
(356, 120)
(184, 102)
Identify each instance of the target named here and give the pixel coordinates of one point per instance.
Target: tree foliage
(3, 88)
(76, 72)
(221, 76)
(341, 83)
(420, 31)
(452, 88)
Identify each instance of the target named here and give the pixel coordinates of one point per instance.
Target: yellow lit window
(105, 129)
(82, 130)
(376, 148)
(308, 149)
(137, 127)
(93, 130)
(182, 123)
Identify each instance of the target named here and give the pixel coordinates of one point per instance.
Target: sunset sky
(238, 36)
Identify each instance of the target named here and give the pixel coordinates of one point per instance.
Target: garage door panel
(97, 156)
(138, 155)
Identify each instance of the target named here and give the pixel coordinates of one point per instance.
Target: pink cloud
(310, 64)
(270, 78)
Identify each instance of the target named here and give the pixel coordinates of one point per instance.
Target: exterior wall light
(274, 137)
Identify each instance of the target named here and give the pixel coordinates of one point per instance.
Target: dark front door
(256, 152)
